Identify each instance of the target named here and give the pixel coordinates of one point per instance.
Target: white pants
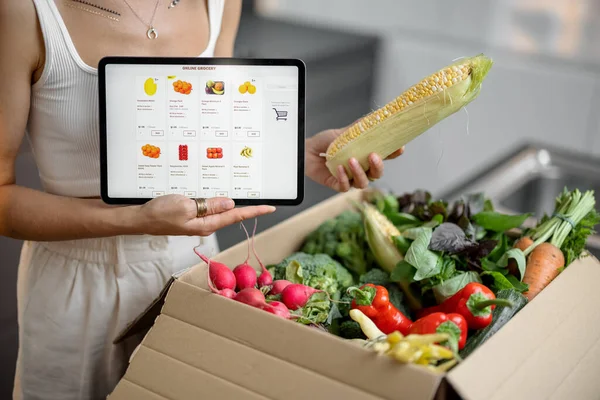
(74, 298)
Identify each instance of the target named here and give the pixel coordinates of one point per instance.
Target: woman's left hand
(318, 171)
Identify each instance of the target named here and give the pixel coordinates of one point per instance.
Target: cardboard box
(203, 346)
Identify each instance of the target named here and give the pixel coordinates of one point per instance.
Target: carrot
(543, 265)
(521, 244)
(545, 257)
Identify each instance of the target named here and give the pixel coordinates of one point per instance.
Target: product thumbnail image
(246, 152)
(247, 87)
(214, 152)
(151, 151)
(182, 87)
(213, 87)
(183, 152)
(150, 87)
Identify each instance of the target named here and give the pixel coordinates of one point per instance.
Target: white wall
(544, 86)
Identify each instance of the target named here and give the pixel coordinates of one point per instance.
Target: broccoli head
(351, 330)
(319, 271)
(342, 238)
(376, 276)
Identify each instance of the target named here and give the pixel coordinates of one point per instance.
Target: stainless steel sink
(529, 180)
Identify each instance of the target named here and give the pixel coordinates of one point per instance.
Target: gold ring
(201, 207)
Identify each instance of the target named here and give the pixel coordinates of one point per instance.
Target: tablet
(202, 127)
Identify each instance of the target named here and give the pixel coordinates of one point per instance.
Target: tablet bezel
(130, 60)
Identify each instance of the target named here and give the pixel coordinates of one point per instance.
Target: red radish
(229, 293)
(220, 274)
(277, 308)
(245, 277)
(278, 286)
(245, 274)
(251, 296)
(296, 295)
(265, 278)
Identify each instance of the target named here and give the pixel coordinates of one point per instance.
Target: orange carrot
(522, 244)
(543, 266)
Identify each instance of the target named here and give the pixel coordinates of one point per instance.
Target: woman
(87, 269)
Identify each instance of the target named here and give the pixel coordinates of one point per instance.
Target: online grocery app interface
(202, 131)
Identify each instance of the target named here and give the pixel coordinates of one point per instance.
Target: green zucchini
(500, 316)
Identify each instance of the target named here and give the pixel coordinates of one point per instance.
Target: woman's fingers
(395, 154)
(214, 222)
(343, 182)
(360, 179)
(217, 205)
(375, 166)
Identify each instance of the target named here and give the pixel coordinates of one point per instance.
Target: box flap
(306, 347)
(175, 380)
(242, 365)
(547, 350)
(145, 320)
(129, 390)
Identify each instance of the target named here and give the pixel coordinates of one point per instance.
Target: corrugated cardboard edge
(181, 338)
(129, 390)
(162, 376)
(144, 321)
(547, 350)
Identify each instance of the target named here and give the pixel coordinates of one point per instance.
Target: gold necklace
(91, 11)
(152, 33)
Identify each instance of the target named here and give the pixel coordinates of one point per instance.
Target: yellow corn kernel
(423, 105)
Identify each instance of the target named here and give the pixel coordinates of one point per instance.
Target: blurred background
(537, 111)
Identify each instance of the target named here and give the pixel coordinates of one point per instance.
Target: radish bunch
(244, 285)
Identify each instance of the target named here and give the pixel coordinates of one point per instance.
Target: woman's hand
(176, 215)
(318, 171)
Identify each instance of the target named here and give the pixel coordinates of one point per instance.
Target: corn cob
(413, 112)
(379, 233)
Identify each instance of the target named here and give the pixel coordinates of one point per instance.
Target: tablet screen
(203, 130)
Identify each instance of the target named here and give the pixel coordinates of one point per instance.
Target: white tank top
(63, 126)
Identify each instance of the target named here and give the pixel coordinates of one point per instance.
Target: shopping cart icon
(281, 115)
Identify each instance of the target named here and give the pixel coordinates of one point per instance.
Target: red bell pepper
(438, 322)
(374, 302)
(475, 302)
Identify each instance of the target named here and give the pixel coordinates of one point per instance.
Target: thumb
(217, 205)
